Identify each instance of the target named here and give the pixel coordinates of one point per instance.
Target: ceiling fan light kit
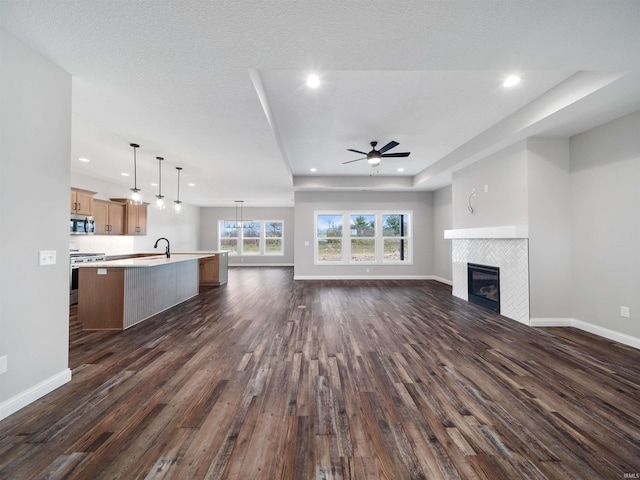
(374, 157)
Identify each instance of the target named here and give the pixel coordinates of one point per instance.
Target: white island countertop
(148, 261)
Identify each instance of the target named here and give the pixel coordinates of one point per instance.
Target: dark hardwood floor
(268, 378)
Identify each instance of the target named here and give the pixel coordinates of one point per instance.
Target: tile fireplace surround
(505, 247)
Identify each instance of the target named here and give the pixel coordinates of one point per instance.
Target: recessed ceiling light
(154, 184)
(511, 81)
(401, 169)
(124, 174)
(192, 184)
(313, 81)
(85, 160)
(313, 169)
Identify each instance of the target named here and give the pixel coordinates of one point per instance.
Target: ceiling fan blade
(388, 146)
(356, 160)
(356, 151)
(403, 154)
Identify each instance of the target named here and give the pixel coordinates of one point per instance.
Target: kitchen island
(118, 294)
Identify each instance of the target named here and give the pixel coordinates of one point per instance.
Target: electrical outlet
(624, 312)
(486, 189)
(367, 270)
(3, 364)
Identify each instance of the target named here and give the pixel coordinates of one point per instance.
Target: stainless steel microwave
(82, 225)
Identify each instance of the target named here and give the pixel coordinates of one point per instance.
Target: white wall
(441, 222)
(506, 202)
(306, 203)
(35, 147)
(605, 212)
(210, 216)
(182, 230)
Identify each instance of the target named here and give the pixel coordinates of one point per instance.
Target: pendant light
(177, 202)
(160, 197)
(239, 205)
(135, 191)
(239, 221)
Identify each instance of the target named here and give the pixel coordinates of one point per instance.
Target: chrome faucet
(167, 251)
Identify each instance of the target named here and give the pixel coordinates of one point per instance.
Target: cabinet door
(131, 217)
(84, 203)
(74, 202)
(101, 215)
(116, 219)
(209, 271)
(142, 220)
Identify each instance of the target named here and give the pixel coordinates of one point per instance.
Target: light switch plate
(47, 257)
(3, 364)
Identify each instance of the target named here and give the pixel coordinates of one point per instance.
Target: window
(363, 238)
(273, 238)
(372, 237)
(395, 228)
(251, 236)
(254, 237)
(329, 238)
(229, 237)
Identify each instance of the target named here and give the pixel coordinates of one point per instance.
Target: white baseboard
(551, 322)
(260, 265)
(363, 277)
(587, 327)
(442, 280)
(31, 394)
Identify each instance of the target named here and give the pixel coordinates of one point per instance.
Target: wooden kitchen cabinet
(81, 201)
(213, 270)
(109, 217)
(135, 217)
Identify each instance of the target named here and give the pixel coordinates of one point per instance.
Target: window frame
(265, 238)
(262, 238)
(379, 238)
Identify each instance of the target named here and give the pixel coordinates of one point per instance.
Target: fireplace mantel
(503, 231)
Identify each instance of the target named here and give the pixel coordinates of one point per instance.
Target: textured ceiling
(218, 87)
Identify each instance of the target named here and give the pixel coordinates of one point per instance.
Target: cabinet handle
(79, 206)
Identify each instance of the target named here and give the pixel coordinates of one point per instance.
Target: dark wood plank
(266, 377)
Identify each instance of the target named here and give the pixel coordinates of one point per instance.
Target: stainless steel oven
(76, 259)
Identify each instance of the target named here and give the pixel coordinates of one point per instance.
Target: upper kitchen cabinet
(109, 217)
(82, 201)
(135, 217)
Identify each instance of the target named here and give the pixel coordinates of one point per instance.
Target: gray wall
(442, 222)
(528, 184)
(506, 202)
(605, 212)
(306, 203)
(549, 188)
(35, 147)
(209, 217)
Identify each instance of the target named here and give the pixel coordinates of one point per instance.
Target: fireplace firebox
(484, 286)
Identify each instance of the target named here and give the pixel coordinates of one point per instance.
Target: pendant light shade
(160, 197)
(178, 203)
(135, 191)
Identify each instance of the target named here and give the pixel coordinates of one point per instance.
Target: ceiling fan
(375, 156)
